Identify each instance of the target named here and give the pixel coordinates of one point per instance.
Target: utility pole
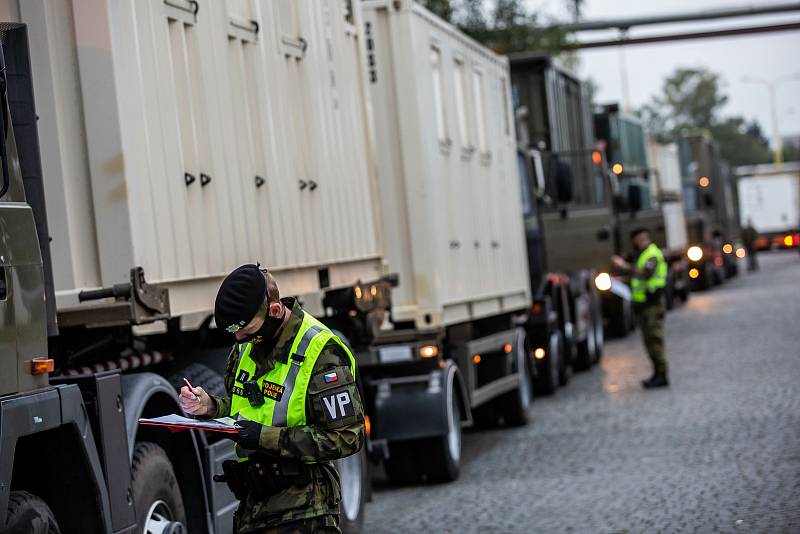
(623, 72)
(776, 133)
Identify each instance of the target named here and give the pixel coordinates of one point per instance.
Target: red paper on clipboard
(176, 423)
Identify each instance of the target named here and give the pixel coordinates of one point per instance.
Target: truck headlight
(602, 281)
(694, 253)
(428, 351)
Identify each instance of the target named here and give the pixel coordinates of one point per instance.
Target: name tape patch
(338, 406)
(243, 376)
(330, 377)
(272, 390)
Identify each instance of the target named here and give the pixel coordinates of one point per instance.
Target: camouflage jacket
(318, 443)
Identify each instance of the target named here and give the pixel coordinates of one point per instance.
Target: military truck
(167, 143)
(457, 351)
(648, 195)
(711, 211)
(568, 218)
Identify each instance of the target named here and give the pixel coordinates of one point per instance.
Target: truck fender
(151, 395)
(48, 410)
(415, 407)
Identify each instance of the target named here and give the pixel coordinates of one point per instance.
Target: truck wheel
(515, 403)
(564, 367)
(547, 379)
(156, 494)
(28, 514)
(586, 349)
(401, 466)
(599, 335)
(353, 478)
(200, 375)
(441, 456)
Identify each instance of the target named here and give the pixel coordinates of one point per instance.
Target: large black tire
(354, 480)
(28, 514)
(586, 350)
(441, 456)
(549, 367)
(515, 404)
(401, 466)
(599, 334)
(565, 361)
(156, 494)
(200, 375)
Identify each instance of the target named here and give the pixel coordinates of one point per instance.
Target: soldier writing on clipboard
(291, 385)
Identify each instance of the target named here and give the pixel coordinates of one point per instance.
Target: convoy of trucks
(448, 211)
(711, 219)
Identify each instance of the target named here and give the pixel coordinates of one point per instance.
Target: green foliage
(692, 100)
(505, 26)
(741, 142)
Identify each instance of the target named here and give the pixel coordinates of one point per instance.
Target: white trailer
(770, 199)
(451, 217)
(188, 138)
(178, 140)
(665, 161)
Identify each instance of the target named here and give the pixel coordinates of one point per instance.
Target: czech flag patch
(330, 377)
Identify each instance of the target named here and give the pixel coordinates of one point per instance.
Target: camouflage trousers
(325, 524)
(651, 321)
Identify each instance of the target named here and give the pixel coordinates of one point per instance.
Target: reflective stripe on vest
(287, 383)
(639, 287)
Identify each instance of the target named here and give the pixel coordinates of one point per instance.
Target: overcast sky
(767, 56)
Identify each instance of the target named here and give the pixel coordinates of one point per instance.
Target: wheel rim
(590, 342)
(555, 358)
(159, 519)
(351, 477)
(599, 334)
(525, 383)
(453, 424)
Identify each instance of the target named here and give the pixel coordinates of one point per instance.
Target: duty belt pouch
(232, 477)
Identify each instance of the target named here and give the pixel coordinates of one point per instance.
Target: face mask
(267, 331)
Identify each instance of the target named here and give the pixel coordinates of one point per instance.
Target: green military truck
(74, 380)
(645, 198)
(711, 210)
(567, 218)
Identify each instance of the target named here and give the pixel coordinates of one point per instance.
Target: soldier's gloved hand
(249, 436)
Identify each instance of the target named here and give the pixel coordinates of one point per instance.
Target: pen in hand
(191, 388)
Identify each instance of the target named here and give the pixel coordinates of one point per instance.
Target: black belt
(263, 476)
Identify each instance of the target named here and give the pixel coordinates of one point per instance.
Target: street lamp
(776, 136)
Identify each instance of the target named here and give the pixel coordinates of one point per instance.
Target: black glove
(249, 436)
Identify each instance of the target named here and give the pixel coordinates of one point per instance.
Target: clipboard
(177, 423)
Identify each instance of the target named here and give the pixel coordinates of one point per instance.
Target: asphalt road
(719, 451)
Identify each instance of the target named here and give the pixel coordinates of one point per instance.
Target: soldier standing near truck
(648, 279)
(291, 385)
(749, 237)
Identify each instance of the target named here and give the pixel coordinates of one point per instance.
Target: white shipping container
(665, 160)
(445, 150)
(770, 201)
(189, 137)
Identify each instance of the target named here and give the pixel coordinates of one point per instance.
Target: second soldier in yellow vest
(648, 280)
(291, 385)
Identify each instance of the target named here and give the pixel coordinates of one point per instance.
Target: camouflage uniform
(651, 320)
(315, 506)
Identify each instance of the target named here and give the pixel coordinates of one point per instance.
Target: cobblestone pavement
(719, 451)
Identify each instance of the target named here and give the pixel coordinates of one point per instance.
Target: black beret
(239, 298)
(638, 231)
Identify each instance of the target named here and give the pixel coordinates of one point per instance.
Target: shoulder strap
(279, 415)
